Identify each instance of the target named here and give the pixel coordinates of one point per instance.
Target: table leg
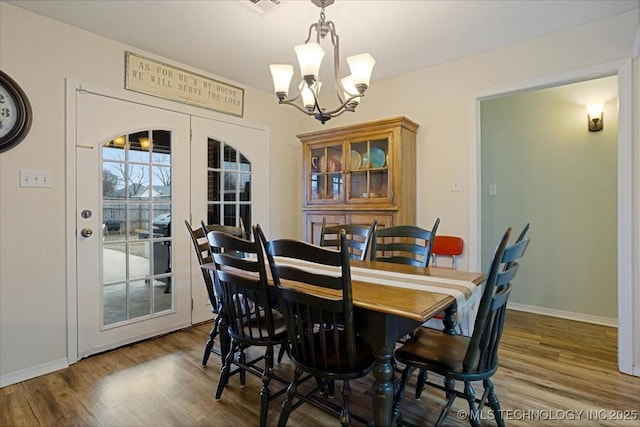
(449, 319)
(383, 389)
(382, 331)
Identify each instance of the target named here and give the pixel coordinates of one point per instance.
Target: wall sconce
(595, 116)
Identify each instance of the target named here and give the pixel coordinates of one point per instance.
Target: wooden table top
(414, 304)
(409, 303)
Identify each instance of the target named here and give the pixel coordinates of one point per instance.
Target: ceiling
(230, 39)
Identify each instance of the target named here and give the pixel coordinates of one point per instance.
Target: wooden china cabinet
(356, 173)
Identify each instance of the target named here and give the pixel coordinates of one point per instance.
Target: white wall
(437, 98)
(41, 53)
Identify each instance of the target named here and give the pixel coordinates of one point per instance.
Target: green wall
(550, 171)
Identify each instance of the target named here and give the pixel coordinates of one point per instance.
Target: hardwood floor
(550, 370)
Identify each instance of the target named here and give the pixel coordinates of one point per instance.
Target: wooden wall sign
(155, 78)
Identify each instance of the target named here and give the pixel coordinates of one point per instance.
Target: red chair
(443, 246)
(448, 246)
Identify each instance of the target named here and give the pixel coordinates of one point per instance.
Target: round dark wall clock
(15, 113)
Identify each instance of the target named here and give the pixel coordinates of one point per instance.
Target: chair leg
(449, 384)
(470, 394)
(265, 393)
(284, 348)
(493, 402)
(226, 370)
(345, 415)
(209, 346)
(450, 393)
(330, 386)
(242, 359)
(422, 377)
(287, 405)
(399, 394)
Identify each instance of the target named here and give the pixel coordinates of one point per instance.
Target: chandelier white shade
(282, 74)
(309, 58)
(310, 54)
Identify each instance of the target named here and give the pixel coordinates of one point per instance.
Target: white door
(229, 180)
(132, 179)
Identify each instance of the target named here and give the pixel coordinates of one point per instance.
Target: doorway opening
(628, 334)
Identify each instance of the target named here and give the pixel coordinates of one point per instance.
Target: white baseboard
(580, 317)
(32, 372)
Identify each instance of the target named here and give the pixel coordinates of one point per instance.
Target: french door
(132, 195)
(229, 182)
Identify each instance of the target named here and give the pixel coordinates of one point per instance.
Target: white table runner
(466, 293)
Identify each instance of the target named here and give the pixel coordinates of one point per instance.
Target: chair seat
(434, 350)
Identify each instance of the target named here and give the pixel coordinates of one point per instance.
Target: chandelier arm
(311, 27)
(289, 102)
(341, 112)
(344, 105)
(292, 99)
(335, 41)
(316, 103)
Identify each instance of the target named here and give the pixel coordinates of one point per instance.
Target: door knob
(86, 232)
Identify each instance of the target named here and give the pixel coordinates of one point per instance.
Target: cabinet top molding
(372, 126)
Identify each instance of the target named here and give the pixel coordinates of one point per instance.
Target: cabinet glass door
(327, 180)
(369, 170)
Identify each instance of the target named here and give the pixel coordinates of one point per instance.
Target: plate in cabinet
(376, 158)
(356, 160)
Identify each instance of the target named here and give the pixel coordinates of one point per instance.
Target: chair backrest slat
(404, 244)
(358, 237)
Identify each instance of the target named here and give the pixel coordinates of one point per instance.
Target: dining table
(391, 301)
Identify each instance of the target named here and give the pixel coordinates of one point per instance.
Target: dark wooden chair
(358, 237)
(247, 313)
(237, 231)
(323, 337)
(404, 244)
(467, 359)
(240, 232)
(201, 247)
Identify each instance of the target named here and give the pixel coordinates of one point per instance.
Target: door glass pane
(228, 186)
(213, 185)
(139, 147)
(115, 303)
(136, 212)
(114, 256)
(139, 301)
(161, 147)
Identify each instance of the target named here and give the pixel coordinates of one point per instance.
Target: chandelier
(348, 89)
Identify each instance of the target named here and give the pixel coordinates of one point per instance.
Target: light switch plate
(35, 178)
(455, 185)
